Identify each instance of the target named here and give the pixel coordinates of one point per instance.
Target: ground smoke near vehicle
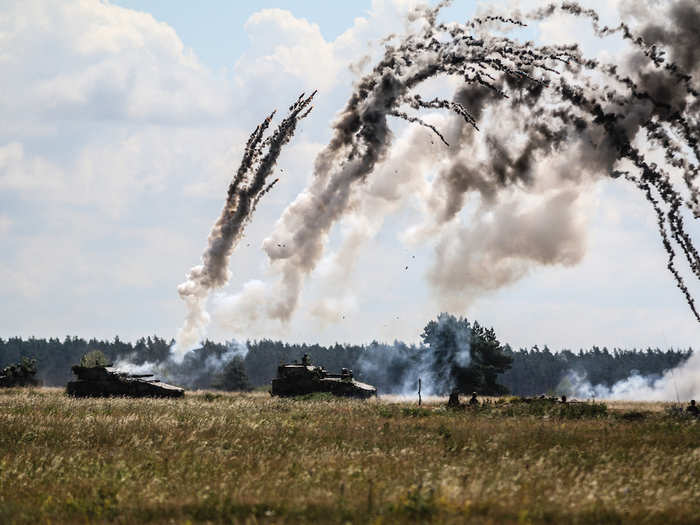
(397, 368)
(198, 369)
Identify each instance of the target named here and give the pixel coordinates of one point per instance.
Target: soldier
(563, 400)
(453, 402)
(306, 360)
(473, 401)
(693, 409)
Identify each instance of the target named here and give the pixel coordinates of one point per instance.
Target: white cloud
(33, 173)
(94, 60)
(5, 224)
(284, 44)
(291, 45)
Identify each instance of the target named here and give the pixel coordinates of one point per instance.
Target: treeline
(54, 357)
(385, 366)
(393, 368)
(532, 372)
(538, 371)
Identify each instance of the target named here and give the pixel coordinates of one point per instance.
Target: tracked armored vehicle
(305, 378)
(105, 381)
(19, 374)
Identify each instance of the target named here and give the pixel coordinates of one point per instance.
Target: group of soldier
(453, 402)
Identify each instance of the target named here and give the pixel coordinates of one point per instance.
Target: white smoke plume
(678, 384)
(198, 369)
(534, 128)
(398, 367)
(247, 187)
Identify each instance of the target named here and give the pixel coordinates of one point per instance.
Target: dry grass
(249, 458)
(644, 406)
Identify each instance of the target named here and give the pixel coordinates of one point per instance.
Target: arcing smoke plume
(547, 99)
(248, 186)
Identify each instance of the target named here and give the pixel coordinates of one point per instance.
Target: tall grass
(249, 458)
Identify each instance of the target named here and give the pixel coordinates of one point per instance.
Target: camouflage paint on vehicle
(105, 381)
(305, 378)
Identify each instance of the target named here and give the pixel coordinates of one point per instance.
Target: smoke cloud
(249, 185)
(440, 360)
(533, 128)
(398, 367)
(678, 384)
(198, 369)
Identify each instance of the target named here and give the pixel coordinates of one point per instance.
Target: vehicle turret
(105, 381)
(19, 374)
(298, 379)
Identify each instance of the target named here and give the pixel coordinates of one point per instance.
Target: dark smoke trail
(244, 193)
(552, 96)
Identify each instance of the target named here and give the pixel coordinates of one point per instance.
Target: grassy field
(249, 458)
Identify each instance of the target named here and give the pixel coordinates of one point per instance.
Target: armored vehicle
(19, 374)
(104, 381)
(298, 379)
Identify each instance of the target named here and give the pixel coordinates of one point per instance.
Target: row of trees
(454, 354)
(54, 357)
(536, 370)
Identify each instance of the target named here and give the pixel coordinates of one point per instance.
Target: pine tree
(465, 357)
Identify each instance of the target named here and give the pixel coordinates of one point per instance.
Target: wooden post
(419, 398)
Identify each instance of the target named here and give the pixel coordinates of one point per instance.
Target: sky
(123, 122)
